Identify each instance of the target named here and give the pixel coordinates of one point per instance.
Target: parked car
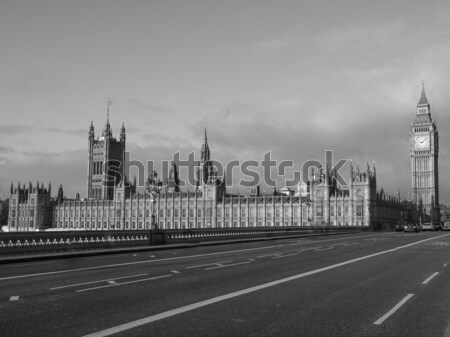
(437, 227)
(446, 226)
(412, 228)
(427, 226)
(399, 228)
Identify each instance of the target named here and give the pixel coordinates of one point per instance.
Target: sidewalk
(108, 251)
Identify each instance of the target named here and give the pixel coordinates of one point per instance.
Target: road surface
(371, 284)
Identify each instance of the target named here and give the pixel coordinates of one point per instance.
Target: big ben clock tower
(424, 149)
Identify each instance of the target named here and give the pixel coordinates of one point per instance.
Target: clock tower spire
(424, 150)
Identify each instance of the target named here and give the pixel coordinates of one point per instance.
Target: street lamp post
(154, 187)
(307, 202)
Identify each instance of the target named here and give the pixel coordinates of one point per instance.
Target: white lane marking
(268, 255)
(123, 283)
(285, 255)
(111, 282)
(325, 248)
(306, 249)
(208, 264)
(170, 258)
(177, 311)
(14, 298)
(98, 281)
(346, 244)
(227, 265)
(175, 271)
(430, 278)
(394, 309)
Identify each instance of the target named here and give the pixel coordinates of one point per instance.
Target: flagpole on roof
(107, 109)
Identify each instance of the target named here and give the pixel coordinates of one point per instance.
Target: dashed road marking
(175, 271)
(208, 264)
(306, 249)
(14, 298)
(324, 248)
(228, 265)
(111, 282)
(430, 278)
(393, 310)
(283, 255)
(98, 281)
(268, 255)
(124, 283)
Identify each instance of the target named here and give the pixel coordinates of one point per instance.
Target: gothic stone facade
(105, 162)
(29, 208)
(119, 206)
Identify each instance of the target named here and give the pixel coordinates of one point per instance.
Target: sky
(295, 78)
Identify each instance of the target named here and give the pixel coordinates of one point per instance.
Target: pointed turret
(91, 131)
(60, 194)
(423, 107)
(107, 132)
(205, 153)
(423, 98)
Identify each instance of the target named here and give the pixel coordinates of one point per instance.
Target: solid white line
(123, 283)
(430, 278)
(14, 298)
(157, 317)
(228, 265)
(394, 309)
(208, 264)
(104, 280)
(169, 259)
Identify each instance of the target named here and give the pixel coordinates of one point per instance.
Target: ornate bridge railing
(26, 242)
(213, 234)
(18, 243)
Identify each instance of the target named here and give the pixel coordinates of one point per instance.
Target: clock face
(422, 142)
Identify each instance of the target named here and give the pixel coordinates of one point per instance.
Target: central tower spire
(205, 153)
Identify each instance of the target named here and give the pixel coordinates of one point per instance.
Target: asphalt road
(389, 284)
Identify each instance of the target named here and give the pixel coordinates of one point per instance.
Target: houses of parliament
(114, 203)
